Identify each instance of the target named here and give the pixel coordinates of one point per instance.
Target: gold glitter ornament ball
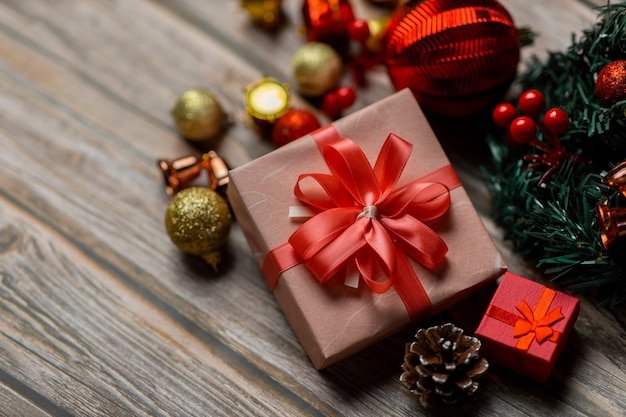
(198, 115)
(317, 69)
(198, 221)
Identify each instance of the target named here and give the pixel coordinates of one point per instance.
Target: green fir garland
(555, 224)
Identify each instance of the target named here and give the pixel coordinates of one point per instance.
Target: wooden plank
(72, 332)
(18, 399)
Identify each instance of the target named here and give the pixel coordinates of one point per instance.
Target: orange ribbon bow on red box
(534, 324)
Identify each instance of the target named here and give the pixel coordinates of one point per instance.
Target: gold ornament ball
(198, 221)
(317, 69)
(198, 115)
(377, 28)
(266, 13)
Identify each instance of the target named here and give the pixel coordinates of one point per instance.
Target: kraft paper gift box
(333, 319)
(526, 326)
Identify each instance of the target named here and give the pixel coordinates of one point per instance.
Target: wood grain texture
(101, 315)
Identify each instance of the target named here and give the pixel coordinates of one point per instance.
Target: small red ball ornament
(611, 83)
(556, 121)
(531, 103)
(523, 130)
(293, 125)
(457, 56)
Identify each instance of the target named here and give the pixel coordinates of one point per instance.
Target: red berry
(556, 121)
(346, 97)
(336, 101)
(503, 115)
(532, 103)
(359, 30)
(523, 130)
(331, 105)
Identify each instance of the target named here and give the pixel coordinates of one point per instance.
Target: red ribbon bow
(364, 219)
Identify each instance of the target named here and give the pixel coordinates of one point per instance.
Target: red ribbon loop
(340, 232)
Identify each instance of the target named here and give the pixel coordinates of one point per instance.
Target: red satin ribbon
(533, 324)
(364, 219)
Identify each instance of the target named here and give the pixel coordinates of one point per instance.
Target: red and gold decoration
(527, 339)
(317, 69)
(198, 222)
(198, 115)
(457, 56)
(327, 21)
(268, 14)
(441, 365)
(611, 83)
(523, 130)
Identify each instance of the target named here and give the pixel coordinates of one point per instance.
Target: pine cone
(440, 364)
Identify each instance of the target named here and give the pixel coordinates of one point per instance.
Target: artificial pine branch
(555, 223)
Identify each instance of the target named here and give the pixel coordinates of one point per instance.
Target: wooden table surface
(100, 315)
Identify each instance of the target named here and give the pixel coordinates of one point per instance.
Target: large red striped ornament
(457, 56)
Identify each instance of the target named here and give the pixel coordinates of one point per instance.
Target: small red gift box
(526, 326)
(386, 204)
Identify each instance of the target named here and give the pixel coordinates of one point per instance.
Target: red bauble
(457, 56)
(293, 125)
(611, 83)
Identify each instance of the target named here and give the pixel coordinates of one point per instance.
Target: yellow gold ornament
(266, 13)
(317, 68)
(267, 99)
(377, 29)
(198, 115)
(198, 221)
